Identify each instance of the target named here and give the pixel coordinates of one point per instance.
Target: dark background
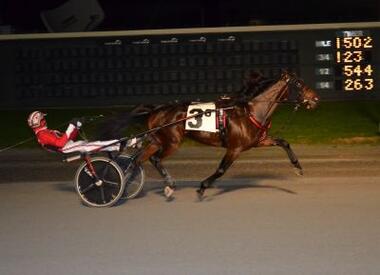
(24, 15)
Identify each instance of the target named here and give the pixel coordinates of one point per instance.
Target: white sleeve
(70, 129)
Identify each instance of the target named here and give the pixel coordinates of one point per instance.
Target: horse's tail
(112, 127)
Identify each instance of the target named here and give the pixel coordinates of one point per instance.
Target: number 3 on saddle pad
(205, 122)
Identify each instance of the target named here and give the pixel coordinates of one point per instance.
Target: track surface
(260, 219)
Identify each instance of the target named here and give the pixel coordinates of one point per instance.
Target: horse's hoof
(200, 193)
(298, 172)
(168, 191)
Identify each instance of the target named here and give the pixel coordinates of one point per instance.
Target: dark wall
(102, 71)
(150, 14)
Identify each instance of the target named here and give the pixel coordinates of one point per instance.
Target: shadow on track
(246, 183)
(226, 186)
(65, 187)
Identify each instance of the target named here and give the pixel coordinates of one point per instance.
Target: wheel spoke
(111, 182)
(105, 171)
(88, 173)
(102, 194)
(88, 188)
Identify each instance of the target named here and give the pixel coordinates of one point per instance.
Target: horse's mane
(254, 84)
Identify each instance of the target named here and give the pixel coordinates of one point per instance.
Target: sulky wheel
(134, 176)
(104, 188)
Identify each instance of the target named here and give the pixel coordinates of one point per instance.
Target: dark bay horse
(247, 126)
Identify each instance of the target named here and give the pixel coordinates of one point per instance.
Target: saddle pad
(205, 122)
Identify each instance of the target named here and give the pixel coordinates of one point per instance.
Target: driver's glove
(77, 122)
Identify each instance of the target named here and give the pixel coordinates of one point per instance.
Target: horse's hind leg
(149, 151)
(226, 162)
(153, 153)
(286, 146)
(170, 184)
(156, 162)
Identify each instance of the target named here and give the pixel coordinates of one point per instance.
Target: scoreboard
(340, 61)
(353, 56)
(354, 67)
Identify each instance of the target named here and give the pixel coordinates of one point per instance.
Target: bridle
(299, 84)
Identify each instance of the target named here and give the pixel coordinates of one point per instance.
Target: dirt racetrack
(260, 219)
(196, 163)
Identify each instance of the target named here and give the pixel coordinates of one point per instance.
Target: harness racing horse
(247, 127)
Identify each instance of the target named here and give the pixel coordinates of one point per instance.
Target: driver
(64, 142)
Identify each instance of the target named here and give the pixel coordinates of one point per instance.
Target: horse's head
(306, 96)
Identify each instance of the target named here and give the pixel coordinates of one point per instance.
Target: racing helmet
(35, 118)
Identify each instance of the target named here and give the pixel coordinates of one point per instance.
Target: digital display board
(353, 59)
(346, 62)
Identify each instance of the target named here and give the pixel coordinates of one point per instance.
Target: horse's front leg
(226, 162)
(286, 146)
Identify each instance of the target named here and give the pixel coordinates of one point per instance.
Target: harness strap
(263, 128)
(258, 124)
(220, 119)
(221, 124)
